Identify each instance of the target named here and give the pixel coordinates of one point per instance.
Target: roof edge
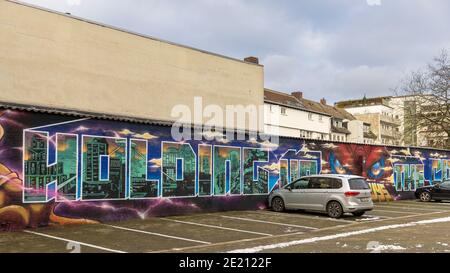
(76, 113)
(68, 15)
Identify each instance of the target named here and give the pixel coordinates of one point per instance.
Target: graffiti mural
(62, 169)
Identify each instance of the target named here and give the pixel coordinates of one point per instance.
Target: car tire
(334, 209)
(278, 204)
(359, 213)
(425, 196)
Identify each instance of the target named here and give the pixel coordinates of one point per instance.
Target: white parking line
(159, 234)
(424, 203)
(406, 208)
(73, 241)
(337, 236)
(302, 216)
(417, 205)
(218, 227)
(395, 211)
(377, 216)
(267, 222)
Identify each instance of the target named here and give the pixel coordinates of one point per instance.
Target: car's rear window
(358, 184)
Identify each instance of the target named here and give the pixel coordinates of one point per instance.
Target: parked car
(333, 194)
(437, 192)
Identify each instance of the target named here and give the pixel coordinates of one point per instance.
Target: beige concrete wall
(48, 59)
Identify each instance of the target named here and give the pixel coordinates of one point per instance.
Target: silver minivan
(333, 194)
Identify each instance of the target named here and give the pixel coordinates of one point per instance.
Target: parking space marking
(377, 216)
(406, 208)
(218, 227)
(424, 203)
(159, 234)
(351, 224)
(418, 205)
(396, 211)
(73, 241)
(261, 248)
(302, 216)
(267, 222)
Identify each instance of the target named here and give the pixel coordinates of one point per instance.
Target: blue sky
(339, 49)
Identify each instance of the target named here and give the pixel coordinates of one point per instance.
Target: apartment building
(294, 116)
(384, 120)
(286, 115)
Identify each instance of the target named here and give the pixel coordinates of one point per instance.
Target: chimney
(298, 95)
(252, 59)
(323, 101)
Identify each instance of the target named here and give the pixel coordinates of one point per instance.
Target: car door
(294, 193)
(444, 191)
(317, 193)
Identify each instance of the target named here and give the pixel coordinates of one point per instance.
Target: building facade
(292, 115)
(385, 122)
(55, 60)
(288, 115)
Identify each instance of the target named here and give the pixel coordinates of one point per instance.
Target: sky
(333, 49)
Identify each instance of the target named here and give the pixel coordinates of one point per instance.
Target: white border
(211, 167)
(227, 193)
(47, 136)
(82, 160)
(162, 170)
(158, 196)
(257, 173)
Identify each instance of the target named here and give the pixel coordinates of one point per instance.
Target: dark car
(436, 192)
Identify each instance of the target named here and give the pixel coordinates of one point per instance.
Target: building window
(320, 119)
(306, 134)
(310, 116)
(284, 111)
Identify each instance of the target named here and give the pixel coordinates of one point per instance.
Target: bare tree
(426, 103)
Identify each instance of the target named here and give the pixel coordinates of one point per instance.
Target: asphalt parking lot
(406, 226)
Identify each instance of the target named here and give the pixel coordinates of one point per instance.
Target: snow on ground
(380, 247)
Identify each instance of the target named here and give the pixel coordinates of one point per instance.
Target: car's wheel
(334, 209)
(278, 204)
(425, 196)
(359, 213)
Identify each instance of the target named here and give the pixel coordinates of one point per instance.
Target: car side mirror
(438, 185)
(289, 188)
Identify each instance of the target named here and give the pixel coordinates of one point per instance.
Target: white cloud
(374, 2)
(73, 2)
(328, 48)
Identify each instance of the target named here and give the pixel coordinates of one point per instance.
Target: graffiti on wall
(56, 168)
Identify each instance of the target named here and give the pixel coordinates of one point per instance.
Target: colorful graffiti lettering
(56, 168)
(380, 193)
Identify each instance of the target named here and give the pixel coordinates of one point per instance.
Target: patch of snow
(368, 219)
(380, 247)
(419, 246)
